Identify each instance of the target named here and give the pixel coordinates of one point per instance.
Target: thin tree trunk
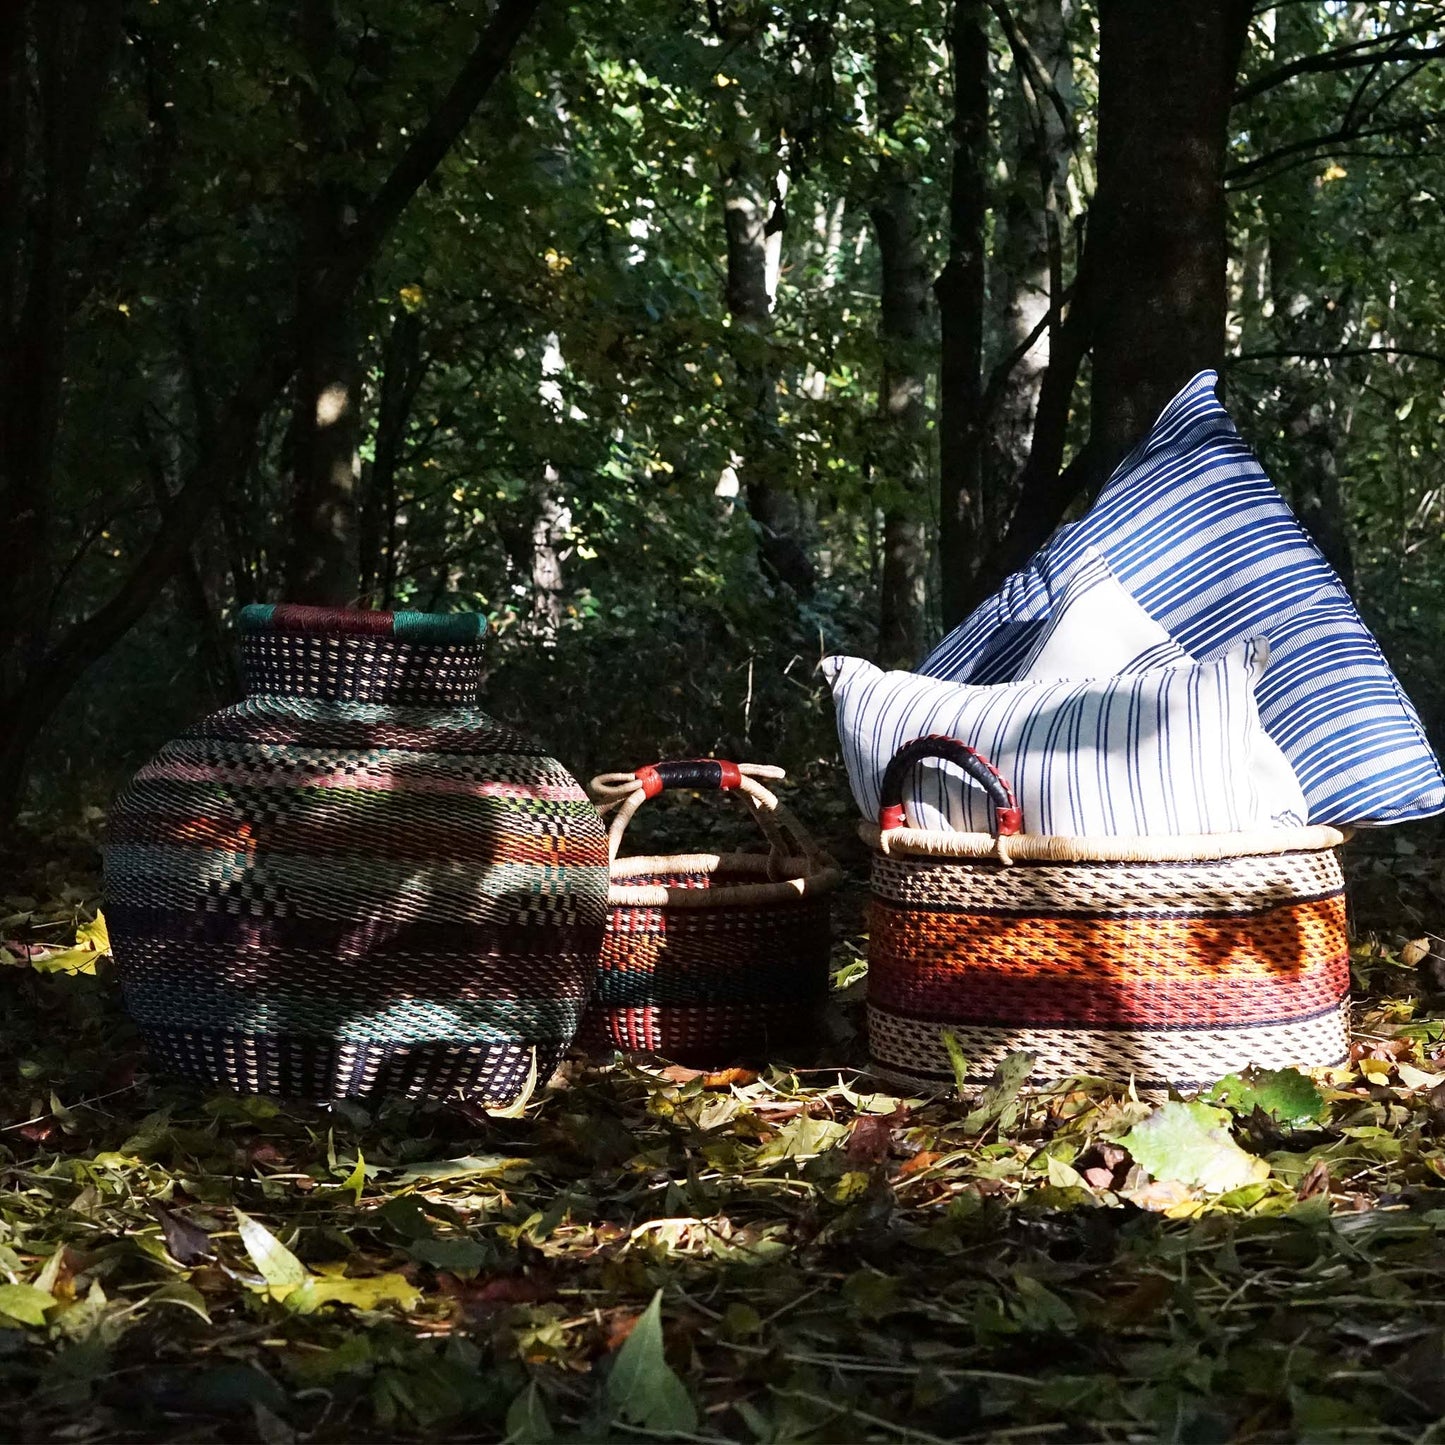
(1151, 291)
(901, 462)
(402, 371)
(771, 504)
(960, 290)
(1026, 262)
(72, 45)
(1303, 320)
(323, 565)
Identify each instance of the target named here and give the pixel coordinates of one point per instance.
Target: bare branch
(1376, 49)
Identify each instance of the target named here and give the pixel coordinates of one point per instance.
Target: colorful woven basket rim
(1038, 847)
(802, 878)
(445, 627)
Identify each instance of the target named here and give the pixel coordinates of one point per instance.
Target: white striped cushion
(1096, 630)
(1099, 630)
(1196, 532)
(1170, 751)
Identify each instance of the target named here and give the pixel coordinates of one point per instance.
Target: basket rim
(806, 878)
(1060, 848)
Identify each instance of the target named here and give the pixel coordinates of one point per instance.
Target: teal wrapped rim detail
(443, 627)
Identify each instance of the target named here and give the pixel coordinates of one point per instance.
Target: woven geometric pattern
(911, 1052)
(362, 669)
(1226, 885)
(1103, 965)
(325, 897)
(708, 985)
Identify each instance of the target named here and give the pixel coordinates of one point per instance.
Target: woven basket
(354, 882)
(712, 957)
(1172, 961)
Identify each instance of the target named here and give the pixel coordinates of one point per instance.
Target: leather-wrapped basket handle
(626, 792)
(1008, 818)
(698, 774)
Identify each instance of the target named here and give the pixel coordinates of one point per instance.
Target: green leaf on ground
(1286, 1095)
(281, 1270)
(956, 1060)
(1000, 1091)
(1191, 1144)
(643, 1388)
(25, 1303)
(527, 1422)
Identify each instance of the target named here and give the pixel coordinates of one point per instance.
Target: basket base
(911, 1052)
(322, 1070)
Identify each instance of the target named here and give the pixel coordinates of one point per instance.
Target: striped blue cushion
(1191, 525)
(1175, 750)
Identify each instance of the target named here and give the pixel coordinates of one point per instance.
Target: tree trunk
(1026, 264)
(324, 562)
(49, 124)
(1150, 293)
(773, 507)
(1304, 321)
(402, 370)
(901, 461)
(1158, 223)
(960, 290)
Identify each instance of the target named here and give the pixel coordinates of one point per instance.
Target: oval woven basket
(711, 957)
(1171, 961)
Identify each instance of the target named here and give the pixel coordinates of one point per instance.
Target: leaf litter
(758, 1254)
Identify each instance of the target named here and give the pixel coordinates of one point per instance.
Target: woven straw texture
(711, 958)
(1174, 973)
(324, 897)
(707, 985)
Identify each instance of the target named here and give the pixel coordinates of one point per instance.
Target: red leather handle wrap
(694, 774)
(1007, 817)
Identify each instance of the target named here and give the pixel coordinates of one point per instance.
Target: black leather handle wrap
(1007, 818)
(698, 774)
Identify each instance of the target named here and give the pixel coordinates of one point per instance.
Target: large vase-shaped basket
(710, 958)
(354, 882)
(1171, 961)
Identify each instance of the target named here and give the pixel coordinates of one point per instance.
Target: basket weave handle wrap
(698, 774)
(627, 792)
(1008, 818)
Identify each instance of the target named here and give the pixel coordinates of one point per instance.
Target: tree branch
(1337, 354)
(1345, 57)
(1324, 142)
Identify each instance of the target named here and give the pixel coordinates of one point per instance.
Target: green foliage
(642, 1387)
(1191, 1144)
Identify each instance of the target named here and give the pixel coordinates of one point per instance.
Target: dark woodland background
(688, 341)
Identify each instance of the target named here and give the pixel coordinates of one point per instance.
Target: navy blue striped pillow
(1196, 531)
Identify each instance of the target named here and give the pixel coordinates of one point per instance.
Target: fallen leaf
(1286, 1095)
(1191, 1144)
(25, 1303)
(185, 1242)
(1316, 1181)
(281, 1270)
(642, 1387)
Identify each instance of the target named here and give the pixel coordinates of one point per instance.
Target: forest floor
(654, 1254)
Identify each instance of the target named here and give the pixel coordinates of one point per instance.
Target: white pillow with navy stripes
(1197, 534)
(1175, 750)
(1096, 630)
(1099, 630)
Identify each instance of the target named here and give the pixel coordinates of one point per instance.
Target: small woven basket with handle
(1169, 960)
(709, 957)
